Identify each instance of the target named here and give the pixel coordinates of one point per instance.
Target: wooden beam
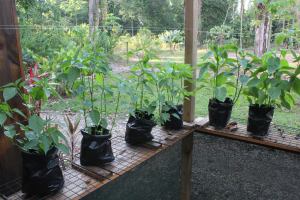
(10, 70)
(191, 43)
(186, 167)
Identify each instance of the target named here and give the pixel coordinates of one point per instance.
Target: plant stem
(116, 112)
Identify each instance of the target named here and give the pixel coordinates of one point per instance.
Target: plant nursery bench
(166, 160)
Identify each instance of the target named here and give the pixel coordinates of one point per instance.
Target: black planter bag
(138, 128)
(219, 112)
(96, 149)
(259, 119)
(174, 123)
(41, 173)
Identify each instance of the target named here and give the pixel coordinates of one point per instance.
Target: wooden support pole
(10, 71)
(186, 167)
(191, 43)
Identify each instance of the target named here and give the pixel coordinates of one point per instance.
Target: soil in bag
(96, 147)
(42, 174)
(219, 112)
(259, 119)
(139, 127)
(175, 121)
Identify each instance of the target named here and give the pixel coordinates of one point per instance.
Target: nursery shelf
(80, 180)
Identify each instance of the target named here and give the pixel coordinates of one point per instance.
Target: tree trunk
(94, 16)
(104, 10)
(241, 25)
(263, 30)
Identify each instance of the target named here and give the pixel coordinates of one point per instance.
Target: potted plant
(271, 85)
(170, 91)
(141, 118)
(226, 76)
(89, 72)
(39, 139)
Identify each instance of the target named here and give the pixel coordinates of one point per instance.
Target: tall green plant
(225, 75)
(38, 135)
(274, 82)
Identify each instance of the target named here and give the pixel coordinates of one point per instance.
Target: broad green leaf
(221, 93)
(10, 131)
(253, 82)
(36, 123)
(2, 119)
(73, 74)
(9, 93)
(221, 79)
(30, 135)
(45, 145)
(95, 117)
(274, 93)
(32, 144)
(273, 64)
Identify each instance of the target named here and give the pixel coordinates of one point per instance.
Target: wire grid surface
(128, 156)
(277, 135)
(76, 184)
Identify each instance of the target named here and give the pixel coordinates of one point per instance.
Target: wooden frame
(191, 43)
(10, 70)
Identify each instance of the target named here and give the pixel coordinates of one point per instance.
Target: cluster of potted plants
(156, 93)
(266, 82)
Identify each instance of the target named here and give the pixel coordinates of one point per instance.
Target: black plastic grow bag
(42, 174)
(139, 127)
(259, 119)
(96, 149)
(174, 123)
(219, 112)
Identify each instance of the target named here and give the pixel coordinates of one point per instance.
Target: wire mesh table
(81, 180)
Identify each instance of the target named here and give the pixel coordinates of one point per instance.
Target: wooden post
(191, 43)
(186, 167)
(10, 70)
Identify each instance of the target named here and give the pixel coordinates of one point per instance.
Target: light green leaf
(221, 93)
(221, 79)
(95, 117)
(9, 93)
(253, 82)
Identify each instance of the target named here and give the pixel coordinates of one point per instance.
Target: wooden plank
(191, 41)
(186, 167)
(10, 70)
(248, 139)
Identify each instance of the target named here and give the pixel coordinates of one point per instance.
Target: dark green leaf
(36, 124)
(273, 64)
(95, 117)
(2, 119)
